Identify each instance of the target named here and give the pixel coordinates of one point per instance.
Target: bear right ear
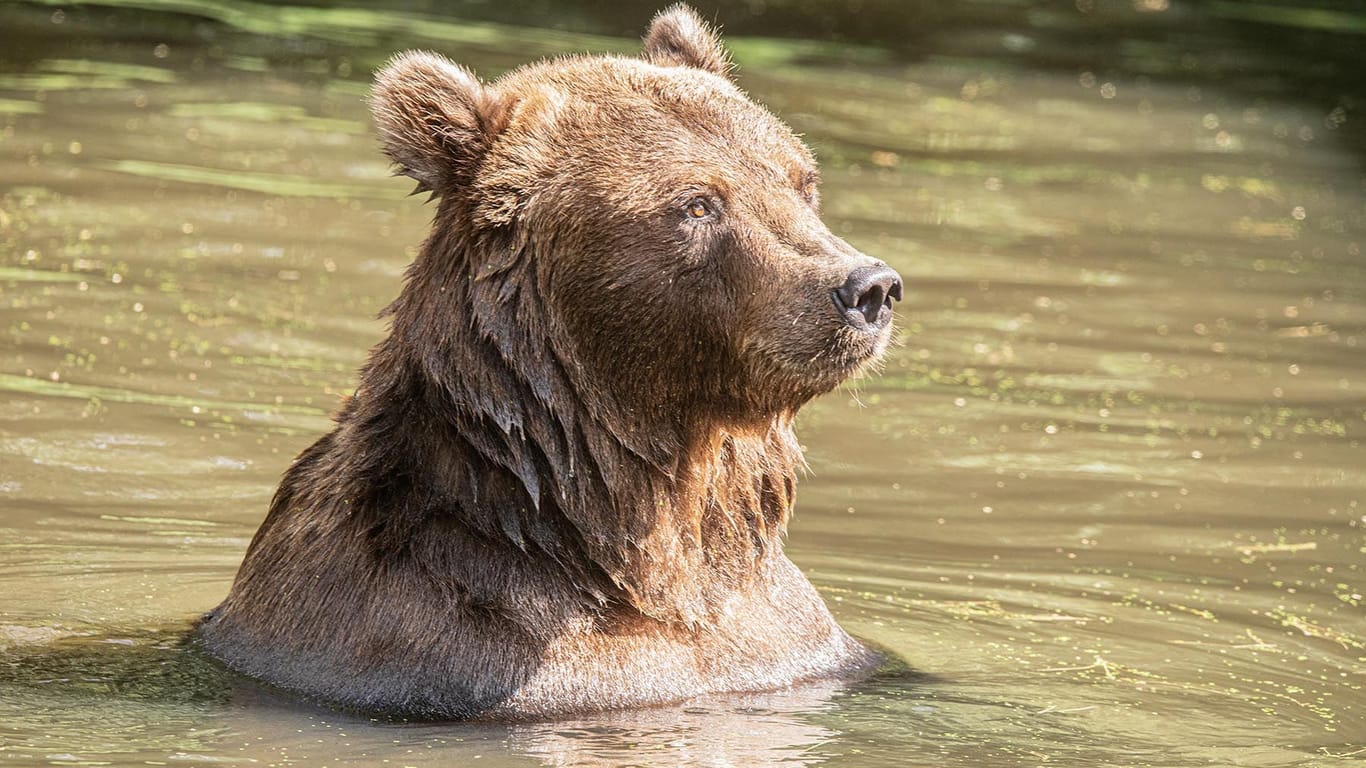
(678, 37)
(435, 118)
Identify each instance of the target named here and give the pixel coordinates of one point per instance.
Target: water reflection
(752, 730)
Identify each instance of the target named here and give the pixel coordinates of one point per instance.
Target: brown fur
(563, 481)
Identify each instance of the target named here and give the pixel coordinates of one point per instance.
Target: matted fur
(563, 481)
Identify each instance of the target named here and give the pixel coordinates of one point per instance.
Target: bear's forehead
(628, 101)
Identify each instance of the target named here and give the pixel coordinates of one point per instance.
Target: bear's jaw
(785, 378)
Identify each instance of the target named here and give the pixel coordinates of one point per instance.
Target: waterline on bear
(563, 482)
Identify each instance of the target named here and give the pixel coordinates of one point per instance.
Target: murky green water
(1108, 496)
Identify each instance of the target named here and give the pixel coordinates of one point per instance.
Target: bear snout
(865, 299)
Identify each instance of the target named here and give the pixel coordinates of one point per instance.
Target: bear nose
(866, 297)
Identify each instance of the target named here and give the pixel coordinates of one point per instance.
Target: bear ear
(678, 37)
(435, 118)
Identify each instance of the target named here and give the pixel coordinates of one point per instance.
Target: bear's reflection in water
(753, 729)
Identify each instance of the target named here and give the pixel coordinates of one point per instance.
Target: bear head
(665, 226)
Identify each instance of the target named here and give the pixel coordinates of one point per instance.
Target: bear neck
(664, 511)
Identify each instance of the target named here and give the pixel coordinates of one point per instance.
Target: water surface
(1106, 497)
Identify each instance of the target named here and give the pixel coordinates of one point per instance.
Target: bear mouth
(821, 358)
(850, 351)
(862, 343)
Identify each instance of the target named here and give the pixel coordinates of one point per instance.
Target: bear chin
(564, 480)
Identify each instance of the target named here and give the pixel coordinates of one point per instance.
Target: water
(1106, 498)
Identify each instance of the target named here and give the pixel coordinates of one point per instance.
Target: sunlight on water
(1106, 498)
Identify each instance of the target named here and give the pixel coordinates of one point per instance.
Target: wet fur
(564, 478)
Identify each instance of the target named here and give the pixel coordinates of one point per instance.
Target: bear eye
(697, 208)
(809, 190)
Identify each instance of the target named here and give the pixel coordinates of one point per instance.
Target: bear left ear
(678, 37)
(435, 118)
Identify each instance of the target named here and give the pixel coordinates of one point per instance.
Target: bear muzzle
(865, 299)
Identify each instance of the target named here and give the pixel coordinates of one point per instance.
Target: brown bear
(563, 481)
